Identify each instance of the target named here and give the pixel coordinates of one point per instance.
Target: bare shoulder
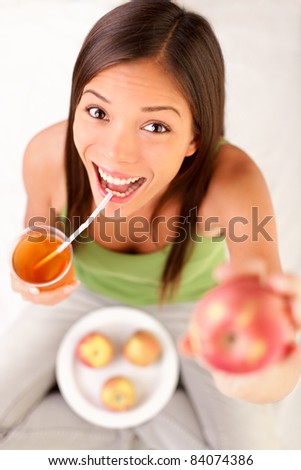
(43, 170)
(46, 149)
(239, 206)
(236, 178)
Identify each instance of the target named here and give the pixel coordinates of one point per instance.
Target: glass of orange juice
(33, 245)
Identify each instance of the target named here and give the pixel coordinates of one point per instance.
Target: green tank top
(134, 279)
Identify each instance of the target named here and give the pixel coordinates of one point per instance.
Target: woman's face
(132, 129)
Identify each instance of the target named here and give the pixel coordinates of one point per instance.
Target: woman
(146, 123)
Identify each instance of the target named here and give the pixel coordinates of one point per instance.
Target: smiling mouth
(120, 187)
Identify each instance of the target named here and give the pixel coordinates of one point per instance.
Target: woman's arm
(239, 197)
(43, 172)
(44, 181)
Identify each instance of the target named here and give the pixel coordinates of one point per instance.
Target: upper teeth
(116, 181)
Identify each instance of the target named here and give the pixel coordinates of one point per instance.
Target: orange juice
(35, 245)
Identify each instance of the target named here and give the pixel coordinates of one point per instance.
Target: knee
(9, 419)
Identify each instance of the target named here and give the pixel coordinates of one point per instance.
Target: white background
(261, 41)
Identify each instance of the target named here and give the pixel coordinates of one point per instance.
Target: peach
(142, 348)
(95, 350)
(118, 393)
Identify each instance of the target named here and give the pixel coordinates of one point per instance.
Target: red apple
(240, 326)
(142, 348)
(95, 350)
(118, 393)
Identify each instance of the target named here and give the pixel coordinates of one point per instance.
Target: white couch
(39, 41)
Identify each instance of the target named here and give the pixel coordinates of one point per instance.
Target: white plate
(81, 385)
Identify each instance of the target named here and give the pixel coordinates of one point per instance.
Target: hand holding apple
(241, 326)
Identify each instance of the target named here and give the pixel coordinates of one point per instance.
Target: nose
(121, 145)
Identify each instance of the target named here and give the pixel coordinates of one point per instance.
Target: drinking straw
(75, 234)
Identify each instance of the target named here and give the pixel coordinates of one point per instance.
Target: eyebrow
(160, 108)
(98, 95)
(144, 109)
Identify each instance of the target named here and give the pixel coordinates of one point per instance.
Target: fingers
(296, 304)
(287, 284)
(184, 346)
(253, 267)
(52, 297)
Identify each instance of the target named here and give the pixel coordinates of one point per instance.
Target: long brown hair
(185, 45)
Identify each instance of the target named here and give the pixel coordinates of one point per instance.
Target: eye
(96, 112)
(157, 127)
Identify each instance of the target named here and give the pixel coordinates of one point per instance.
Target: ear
(184, 346)
(193, 146)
